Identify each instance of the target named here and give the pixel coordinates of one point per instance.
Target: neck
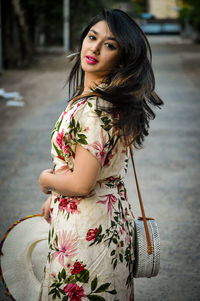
(91, 80)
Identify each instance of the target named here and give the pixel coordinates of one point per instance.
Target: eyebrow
(108, 38)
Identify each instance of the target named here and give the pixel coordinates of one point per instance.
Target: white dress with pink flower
(90, 238)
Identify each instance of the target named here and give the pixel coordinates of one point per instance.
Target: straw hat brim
(25, 250)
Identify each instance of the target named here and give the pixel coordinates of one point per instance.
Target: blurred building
(163, 9)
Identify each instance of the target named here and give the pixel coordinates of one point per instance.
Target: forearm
(64, 184)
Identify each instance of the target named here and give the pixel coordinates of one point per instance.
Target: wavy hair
(130, 86)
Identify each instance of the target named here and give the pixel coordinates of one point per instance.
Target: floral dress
(90, 238)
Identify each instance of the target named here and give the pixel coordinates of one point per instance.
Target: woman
(91, 255)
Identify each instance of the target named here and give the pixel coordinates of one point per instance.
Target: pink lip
(91, 60)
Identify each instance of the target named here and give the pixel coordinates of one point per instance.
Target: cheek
(112, 61)
(83, 48)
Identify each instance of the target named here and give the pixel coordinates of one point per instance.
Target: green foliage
(44, 17)
(81, 12)
(139, 6)
(190, 10)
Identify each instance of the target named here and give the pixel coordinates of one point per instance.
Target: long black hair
(129, 86)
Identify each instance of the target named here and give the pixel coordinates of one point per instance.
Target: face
(100, 51)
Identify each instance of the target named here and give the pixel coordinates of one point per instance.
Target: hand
(42, 178)
(47, 171)
(45, 210)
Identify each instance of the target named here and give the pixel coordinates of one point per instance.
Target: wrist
(48, 181)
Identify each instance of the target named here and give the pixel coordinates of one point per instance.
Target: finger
(42, 210)
(47, 217)
(48, 170)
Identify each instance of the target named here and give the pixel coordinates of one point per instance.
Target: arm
(77, 183)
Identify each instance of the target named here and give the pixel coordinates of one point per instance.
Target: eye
(91, 37)
(110, 46)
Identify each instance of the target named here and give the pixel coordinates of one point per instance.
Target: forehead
(101, 28)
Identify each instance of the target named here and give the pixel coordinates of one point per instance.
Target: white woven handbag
(146, 241)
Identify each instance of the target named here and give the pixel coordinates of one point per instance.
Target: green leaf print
(63, 274)
(99, 230)
(115, 264)
(83, 276)
(98, 112)
(72, 123)
(113, 292)
(65, 298)
(49, 237)
(52, 133)
(112, 224)
(53, 291)
(114, 240)
(82, 136)
(106, 127)
(102, 288)
(59, 276)
(96, 298)
(89, 104)
(82, 141)
(105, 120)
(58, 125)
(113, 252)
(121, 257)
(57, 150)
(94, 284)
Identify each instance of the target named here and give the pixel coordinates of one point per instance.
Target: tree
(80, 14)
(190, 11)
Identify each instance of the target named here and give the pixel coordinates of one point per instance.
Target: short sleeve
(92, 129)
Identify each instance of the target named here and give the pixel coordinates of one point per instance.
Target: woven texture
(146, 265)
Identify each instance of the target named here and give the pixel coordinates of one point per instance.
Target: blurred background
(35, 38)
(30, 26)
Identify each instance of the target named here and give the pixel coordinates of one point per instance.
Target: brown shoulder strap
(149, 249)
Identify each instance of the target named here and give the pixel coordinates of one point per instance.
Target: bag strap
(149, 249)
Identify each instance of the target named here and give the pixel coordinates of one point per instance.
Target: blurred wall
(163, 8)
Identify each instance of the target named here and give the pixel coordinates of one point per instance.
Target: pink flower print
(70, 136)
(63, 114)
(100, 147)
(53, 274)
(61, 158)
(111, 199)
(122, 191)
(87, 129)
(127, 237)
(121, 231)
(66, 149)
(59, 138)
(78, 105)
(108, 159)
(73, 206)
(119, 250)
(65, 246)
(63, 204)
(75, 292)
(77, 268)
(51, 212)
(91, 234)
(69, 204)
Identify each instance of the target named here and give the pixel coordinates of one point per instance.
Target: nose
(96, 48)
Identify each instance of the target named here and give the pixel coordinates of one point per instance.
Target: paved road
(168, 166)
